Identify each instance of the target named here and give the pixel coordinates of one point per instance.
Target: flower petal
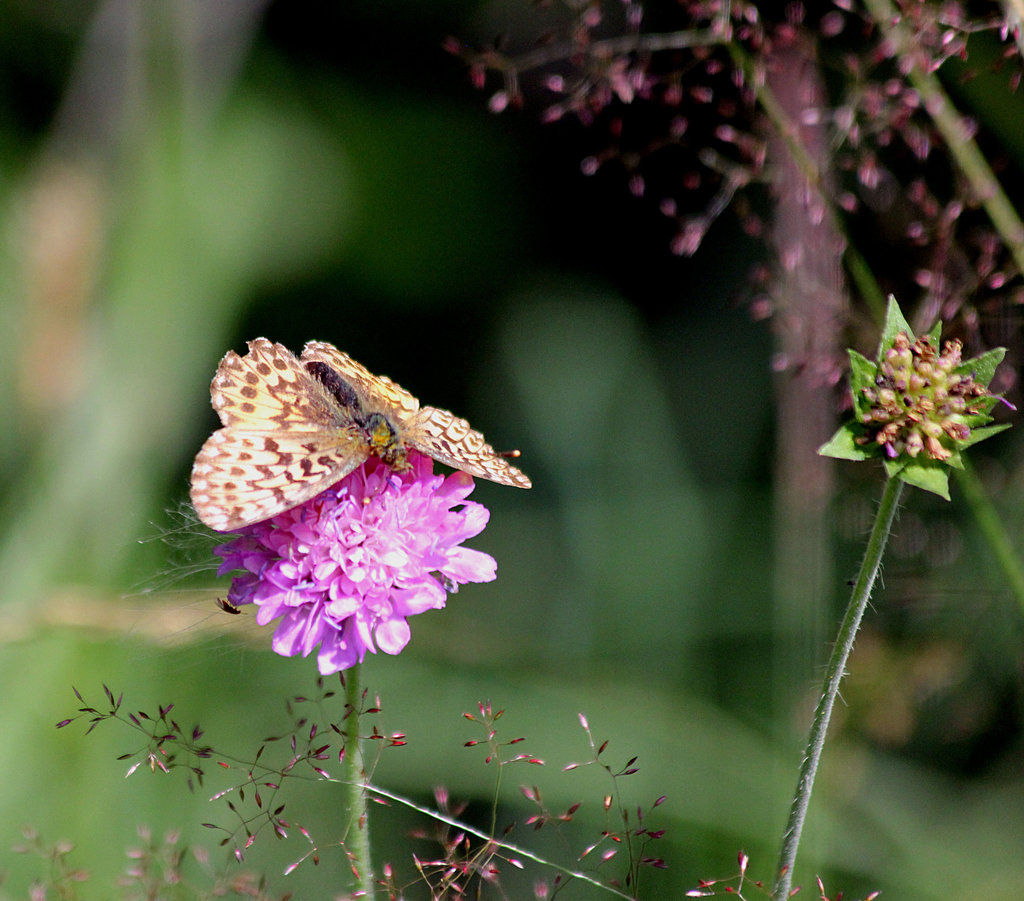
(345, 570)
(393, 635)
(466, 565)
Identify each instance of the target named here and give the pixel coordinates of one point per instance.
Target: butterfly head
(384, 440)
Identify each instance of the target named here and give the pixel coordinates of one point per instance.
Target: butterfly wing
(240, 478)
(450, 440)
(269, 390)
(377, 393)
(284, 440)
(430, 430)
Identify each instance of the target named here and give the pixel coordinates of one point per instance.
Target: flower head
(918, 398)
(346, 569)
(917, 407)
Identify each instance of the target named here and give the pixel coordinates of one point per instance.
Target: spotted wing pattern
(430, 430)
(284, 439)
(450, 440)
(377, 393)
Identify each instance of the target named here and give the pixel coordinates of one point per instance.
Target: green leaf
(843, 445)
(955, 461)
(981, 434)
(928, 475)
(862, 375)
(983, 405)
(976, 422)
(894, 467)
(894, 324)
(983, 367)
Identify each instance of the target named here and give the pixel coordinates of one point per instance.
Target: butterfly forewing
(376, 392)
(430, 430)
(450, 439)
(266, 390)
(284, 440)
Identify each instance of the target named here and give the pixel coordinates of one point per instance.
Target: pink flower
(346, 569)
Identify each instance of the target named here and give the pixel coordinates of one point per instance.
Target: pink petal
(393, 635)
(466, 565)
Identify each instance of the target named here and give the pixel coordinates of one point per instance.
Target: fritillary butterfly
(293, 426)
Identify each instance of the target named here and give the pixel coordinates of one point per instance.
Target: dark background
(177, 179)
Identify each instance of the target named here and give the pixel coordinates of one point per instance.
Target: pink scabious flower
(346, 569)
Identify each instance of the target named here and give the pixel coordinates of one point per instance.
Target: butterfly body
(380, 434)
(293, 426)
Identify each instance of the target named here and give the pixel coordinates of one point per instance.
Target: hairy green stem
(833, 676)
(358, 833)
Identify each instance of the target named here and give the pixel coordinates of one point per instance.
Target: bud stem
(869, 568)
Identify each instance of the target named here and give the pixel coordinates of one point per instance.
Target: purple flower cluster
(346, 569)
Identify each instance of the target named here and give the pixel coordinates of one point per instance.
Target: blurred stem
(789, 132)
(607, 49)
(810, 313)
(869, 568)
(993, 529)
(358, 832)
(953, 128)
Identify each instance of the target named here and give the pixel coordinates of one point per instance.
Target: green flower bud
(916, 407)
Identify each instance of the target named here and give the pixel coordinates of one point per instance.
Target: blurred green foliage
(175, 179)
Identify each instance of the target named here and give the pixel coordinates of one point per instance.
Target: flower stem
(833, 676)
(358, 832)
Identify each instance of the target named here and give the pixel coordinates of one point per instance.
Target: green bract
(916, 407)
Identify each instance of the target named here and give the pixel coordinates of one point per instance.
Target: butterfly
(293, 426)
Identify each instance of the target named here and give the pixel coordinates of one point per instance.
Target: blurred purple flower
(346, 569)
